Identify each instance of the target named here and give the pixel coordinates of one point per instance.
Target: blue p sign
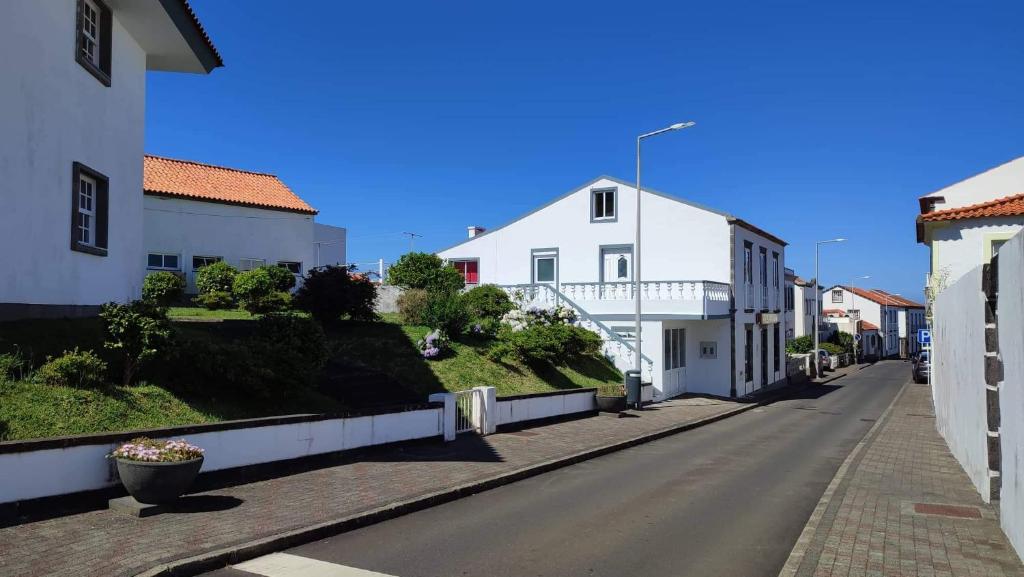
(924, 336)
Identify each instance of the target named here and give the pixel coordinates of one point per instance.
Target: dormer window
(92, 46)
(603, 205)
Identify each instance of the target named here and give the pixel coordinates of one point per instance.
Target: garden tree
(422, 270)
(136, 331)
(162, 288)
(283, 278)
(843, 340)
(800, 345)
(258, 292)
(215, 283)
(329, 292)
(446, 311)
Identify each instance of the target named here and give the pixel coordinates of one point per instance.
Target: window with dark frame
(293, 267)
(90, 200)
(748, 355)
(93, 38)
(837, 295)
(775, 269)
(469, 269)
(675, 349)
(162, 261)
(775, 343)
(199, 262)
(603, 203)
(748, 262)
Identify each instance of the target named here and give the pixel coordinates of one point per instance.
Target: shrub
(843, 340)
(162, 288)
(412, 304)
(554, 343)
(424, 271)
(216, 277)
(75, 368)
(12, 366)
(291, 349)
(205, 368)
(832, 349)
(137, 331)
(487, 302)
(447, 312)
(434, 345)
(800, 345)
(329, 292)
(283, 278)
(256, 291)
(215, 300)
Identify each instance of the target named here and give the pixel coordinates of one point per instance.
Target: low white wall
(528, 408)
(1011, 390)
(59, 471)
(958, 375)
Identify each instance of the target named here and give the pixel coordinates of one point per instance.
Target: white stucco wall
(958, 375)
(190, 228)
(744, 318)
(52, 113)
(1011, 390)
(1004, 180)
(959, 246)
(333, 243)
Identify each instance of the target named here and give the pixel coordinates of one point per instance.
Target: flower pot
(614, 404)
(157, 483)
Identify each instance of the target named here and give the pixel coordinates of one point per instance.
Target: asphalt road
(730, 498)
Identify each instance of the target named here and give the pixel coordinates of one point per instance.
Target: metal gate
(467, 403)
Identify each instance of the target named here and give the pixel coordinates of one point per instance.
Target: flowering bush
(518, 319)
(434, 345)
(170, 451)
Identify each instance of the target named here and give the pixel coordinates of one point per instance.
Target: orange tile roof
(1006, 206)
(865, 325)
(837, 312)
(209, 183)
(883, 298)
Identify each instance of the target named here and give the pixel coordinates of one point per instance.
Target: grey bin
(633, 388)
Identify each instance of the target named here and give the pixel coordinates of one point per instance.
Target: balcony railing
(748, 296)
(704, 298)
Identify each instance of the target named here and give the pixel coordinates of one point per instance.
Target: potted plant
(156, 472)
(612, 402)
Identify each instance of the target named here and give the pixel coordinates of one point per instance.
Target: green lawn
(386, 348)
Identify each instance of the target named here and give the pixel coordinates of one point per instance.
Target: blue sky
(815, 119)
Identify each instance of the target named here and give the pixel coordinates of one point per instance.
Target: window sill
(87, 249)
(100, 75)
(604, 219)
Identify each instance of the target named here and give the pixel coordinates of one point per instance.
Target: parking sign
(924, 337)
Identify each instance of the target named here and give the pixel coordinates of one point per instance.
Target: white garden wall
(958, 375)
(30, 474)
(542, 406)
(1011, 397)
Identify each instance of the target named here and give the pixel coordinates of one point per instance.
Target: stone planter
(157, 483)
(615, 404)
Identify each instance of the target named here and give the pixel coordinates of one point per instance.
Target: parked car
(921, 366)
(823, 356)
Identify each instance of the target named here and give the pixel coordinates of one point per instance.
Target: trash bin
(633, 388)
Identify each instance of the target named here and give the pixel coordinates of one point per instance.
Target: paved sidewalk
(902, 506)
(108, 544)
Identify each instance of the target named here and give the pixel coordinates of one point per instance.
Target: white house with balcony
(72, 112)
(895, 318)
(711, 289)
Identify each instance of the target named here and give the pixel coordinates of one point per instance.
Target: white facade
(897, 323)
(957, 246)
(54, 113)
(803, 309)
(331, 245)
(692, 258)
(244, 237)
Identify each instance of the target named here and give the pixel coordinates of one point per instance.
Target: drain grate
(941, 510)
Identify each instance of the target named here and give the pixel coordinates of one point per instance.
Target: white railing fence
(466, 404)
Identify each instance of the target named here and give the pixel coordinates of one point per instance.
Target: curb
(796, 556)
(219, 558)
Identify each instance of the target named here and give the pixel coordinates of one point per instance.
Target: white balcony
(700, 299)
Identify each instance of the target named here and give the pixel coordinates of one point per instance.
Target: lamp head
(681, 125)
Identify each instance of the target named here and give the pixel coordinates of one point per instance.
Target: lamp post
(817, 306)
(636, 242)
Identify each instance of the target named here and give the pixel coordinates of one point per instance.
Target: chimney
(475, 230)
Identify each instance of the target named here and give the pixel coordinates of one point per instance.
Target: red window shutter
(472, 275)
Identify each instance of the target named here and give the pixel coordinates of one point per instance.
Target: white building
(331, 243)
(72, 111)
(711, 291)
(196, 214)
(800, 316)
(964, 224)
(881, 310)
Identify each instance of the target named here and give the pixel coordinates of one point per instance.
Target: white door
(618, 266)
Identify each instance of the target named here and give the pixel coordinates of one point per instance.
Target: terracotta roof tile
(1006, 206)
(865, 325)
(883, 298)
(836, 312)
(206, 182)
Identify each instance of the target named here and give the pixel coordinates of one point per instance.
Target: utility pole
(412, 240)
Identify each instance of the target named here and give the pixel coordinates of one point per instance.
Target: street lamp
(636, 242)
(817, 306)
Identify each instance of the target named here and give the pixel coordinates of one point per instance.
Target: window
(675, 348)
(469, 269)
(293, 267)
(776, 349)
(199, 262)
(790, 298)
(89, 200)
(92, 31)
(996, 245)
(748, 263)
(775, 269)
(764, 266)
(250, 263)
(602, 204)
(628, 333)
(708, 350)
(748, 355)
(162, 261)
(545, 269)
(837, 295)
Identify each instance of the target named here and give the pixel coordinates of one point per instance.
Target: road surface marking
(285, 565)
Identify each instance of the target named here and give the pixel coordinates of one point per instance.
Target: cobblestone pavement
(108, 544)
(904, 508)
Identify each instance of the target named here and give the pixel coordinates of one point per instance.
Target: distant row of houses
(86, 214)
